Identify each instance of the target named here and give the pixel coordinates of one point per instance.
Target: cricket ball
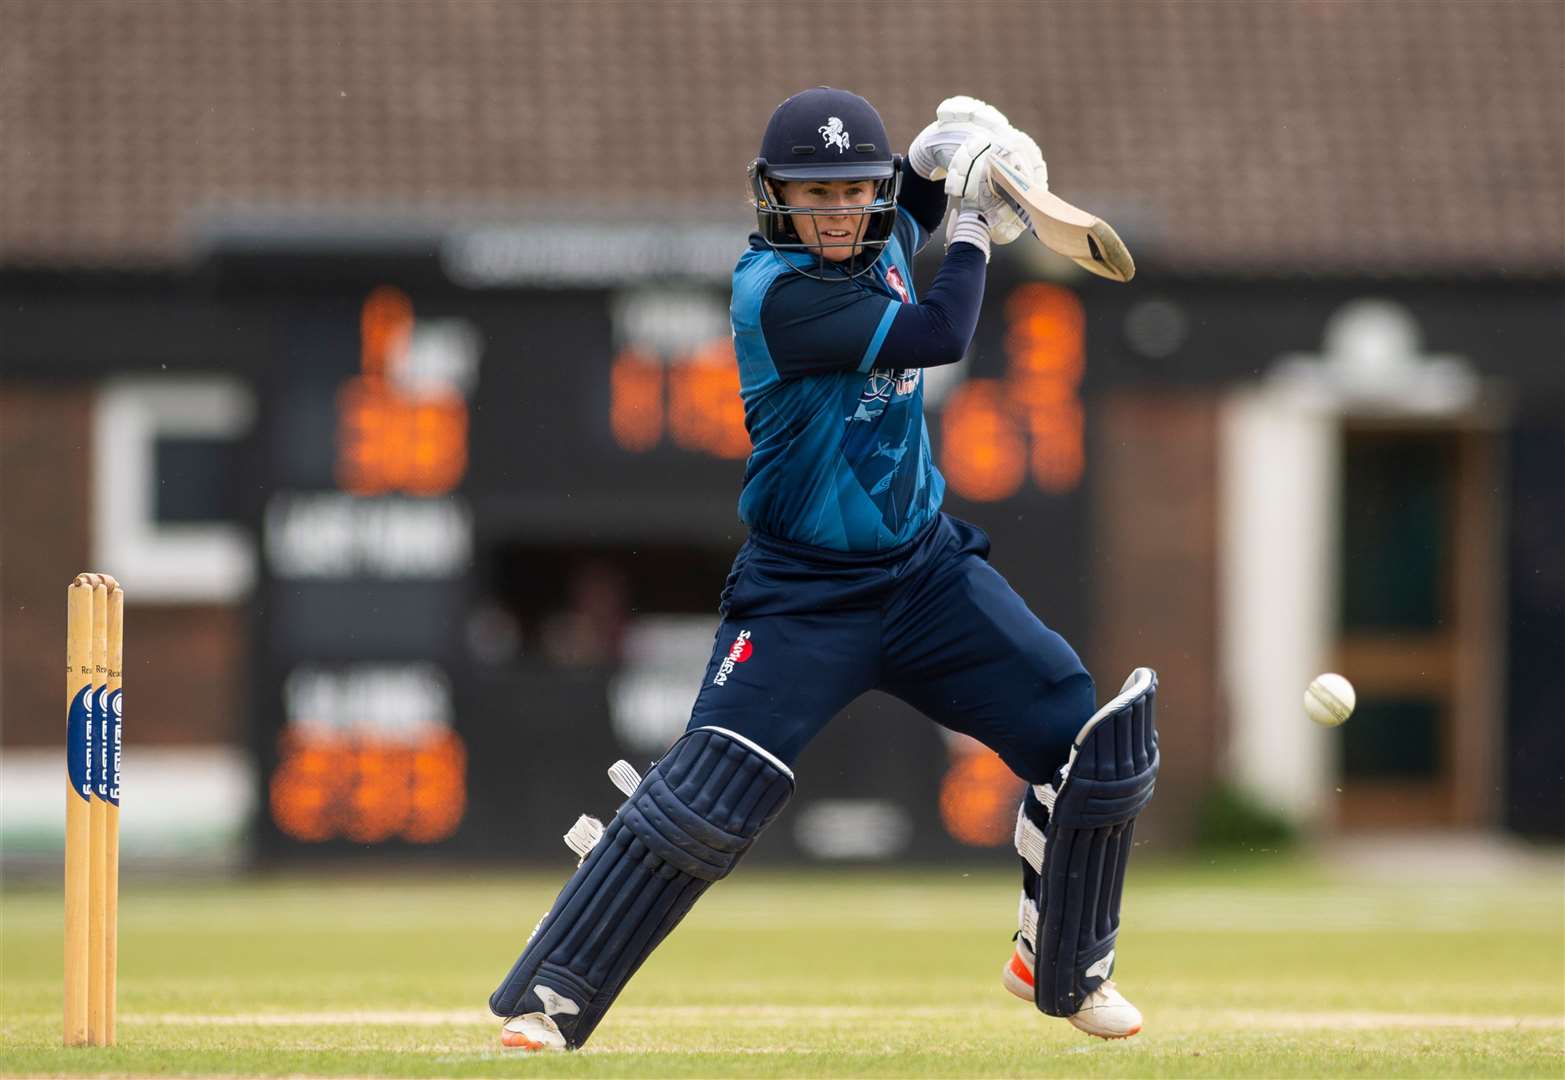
(1329, 700)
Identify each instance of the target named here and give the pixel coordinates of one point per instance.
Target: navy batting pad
(1109, 780)
(687, 824)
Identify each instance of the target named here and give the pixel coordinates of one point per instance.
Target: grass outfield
(1256, 970)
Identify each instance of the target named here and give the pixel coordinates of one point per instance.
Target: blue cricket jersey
(833, 400)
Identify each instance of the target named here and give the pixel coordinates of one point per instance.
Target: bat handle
(1021, 212)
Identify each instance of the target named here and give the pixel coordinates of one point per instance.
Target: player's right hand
(968, 179)
(1021, 153)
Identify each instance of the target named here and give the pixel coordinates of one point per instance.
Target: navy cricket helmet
(826, 134)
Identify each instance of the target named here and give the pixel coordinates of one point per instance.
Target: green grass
(1245, 970)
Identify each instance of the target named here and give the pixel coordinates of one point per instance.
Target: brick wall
(1154, 581)
(184, 664)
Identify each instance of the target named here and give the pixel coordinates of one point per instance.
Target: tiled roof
(1301, 135)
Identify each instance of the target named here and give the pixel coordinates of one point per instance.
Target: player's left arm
(811, 327)
(924, 202)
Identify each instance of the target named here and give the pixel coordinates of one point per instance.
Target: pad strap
(1027, 919)
(685, 826)
(1030, 841)
(1031, 844)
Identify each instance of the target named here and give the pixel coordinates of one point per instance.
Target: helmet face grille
(777, 225)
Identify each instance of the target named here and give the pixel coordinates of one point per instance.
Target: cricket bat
(1082, 237)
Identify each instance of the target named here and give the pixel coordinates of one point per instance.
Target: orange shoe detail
(1110, 1038)
(515, 1040)
(1019, 968)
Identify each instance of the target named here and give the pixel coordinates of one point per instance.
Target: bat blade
(1084, 238)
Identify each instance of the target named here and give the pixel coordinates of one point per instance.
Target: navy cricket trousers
(806, 630)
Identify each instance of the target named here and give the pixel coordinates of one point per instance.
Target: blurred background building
(381, 350)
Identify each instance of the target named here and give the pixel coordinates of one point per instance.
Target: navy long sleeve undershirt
(938, 330)
(812, 326)
(924, 199)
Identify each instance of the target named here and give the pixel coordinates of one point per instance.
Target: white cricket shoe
(532, 1032)
(1105, 1013)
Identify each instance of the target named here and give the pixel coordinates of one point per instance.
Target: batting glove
(967, 182)
(956, 118)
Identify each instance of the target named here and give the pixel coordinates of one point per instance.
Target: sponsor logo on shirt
(881, 386)
(740, 651)
(898, 286)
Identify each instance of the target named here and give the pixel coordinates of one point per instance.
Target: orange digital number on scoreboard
(996, 432)
(636, 399)
(704, 408)
(1046, 347)
(985, 456)
(693, 399)
(369, 790)
(390, 439)
(390, 442)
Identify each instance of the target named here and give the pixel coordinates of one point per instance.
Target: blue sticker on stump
(100, 743)
(78, 747)
(112, 740)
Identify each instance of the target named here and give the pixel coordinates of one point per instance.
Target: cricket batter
(853, 579)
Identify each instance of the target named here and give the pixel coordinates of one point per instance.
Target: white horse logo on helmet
(834, 133)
